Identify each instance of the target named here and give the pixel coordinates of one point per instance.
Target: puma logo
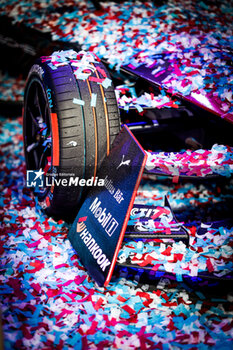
(123, 162)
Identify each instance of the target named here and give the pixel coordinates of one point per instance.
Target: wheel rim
(37, 130)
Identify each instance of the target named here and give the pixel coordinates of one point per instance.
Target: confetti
(78, 102)
(11, 89)
(47, 298)
(128, 99)
(93, 100)
(217, 160)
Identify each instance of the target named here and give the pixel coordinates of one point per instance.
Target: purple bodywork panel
(207, 102)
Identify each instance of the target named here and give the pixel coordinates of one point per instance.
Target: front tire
(70, 121)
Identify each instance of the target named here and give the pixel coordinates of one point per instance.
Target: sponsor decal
(124, 162)
(155, 222)
(92, 246)
(103, 217)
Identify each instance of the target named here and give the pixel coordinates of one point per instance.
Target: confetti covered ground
(11, 89)
(49, 301)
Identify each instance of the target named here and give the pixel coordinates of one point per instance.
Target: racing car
(71, 120)
(72, 115)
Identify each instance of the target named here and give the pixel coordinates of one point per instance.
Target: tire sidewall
(40, 72)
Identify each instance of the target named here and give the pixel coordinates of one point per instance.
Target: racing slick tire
(69, 125)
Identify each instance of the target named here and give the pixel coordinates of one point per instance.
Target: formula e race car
(72, 115)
